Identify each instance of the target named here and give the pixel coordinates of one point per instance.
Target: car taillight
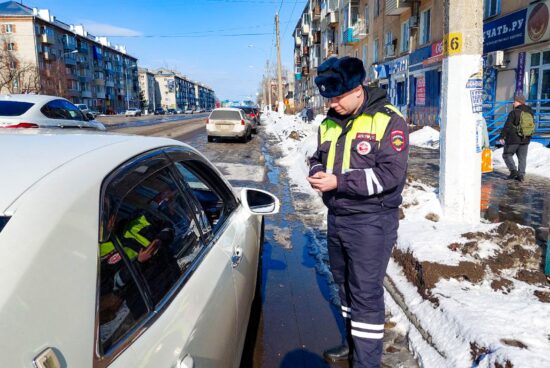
(22, 125)
(206, 121)
(242, 121)
(251, 115)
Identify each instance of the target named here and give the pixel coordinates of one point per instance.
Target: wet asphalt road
(526, 203)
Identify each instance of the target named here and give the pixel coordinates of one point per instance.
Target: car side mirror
(259, 202)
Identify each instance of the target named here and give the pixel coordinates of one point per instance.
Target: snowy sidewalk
(476, 290)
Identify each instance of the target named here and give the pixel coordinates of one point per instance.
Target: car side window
(213, 209)
(61, 109)
(154, 239)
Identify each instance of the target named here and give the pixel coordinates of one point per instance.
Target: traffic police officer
(360, 168)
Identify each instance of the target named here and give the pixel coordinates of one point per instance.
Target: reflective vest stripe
(109, 247)
(330, 132)
(134, 227)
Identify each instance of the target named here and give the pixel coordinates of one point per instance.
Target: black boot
(513, 175)
(337, 354)
(520, 177)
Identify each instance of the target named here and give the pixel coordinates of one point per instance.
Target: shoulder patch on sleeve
(397, 139)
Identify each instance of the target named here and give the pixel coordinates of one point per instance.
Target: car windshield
(225, 115)
(14, 108)
(82, 107)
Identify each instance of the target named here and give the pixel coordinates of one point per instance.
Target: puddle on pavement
(526, 203)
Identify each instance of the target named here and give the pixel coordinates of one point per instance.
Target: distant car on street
(252, 114)
(229, 122)
(199, 110)
(151, 250)
(86, 110)
(133, 112)
(171, 111)
(188, 111)
(179, 111)
(159, 111)
(41, 111)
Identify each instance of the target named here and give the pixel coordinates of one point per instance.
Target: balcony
(48, 38)
(86, 94)
(99, 81)
(305, 29)
(331, 50)
(305, 51)
(347, 37)
(390, 50)
(83, 48)
(305, 70)
(70, 60)
(297, 41)
(332, 17)
(73, 92)
(316, 37)
(316, 12)
(84, 77)
(48, 56)
(360, 29)
(298, 60)
(396, 7)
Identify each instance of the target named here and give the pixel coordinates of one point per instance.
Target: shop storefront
(517, 59)
(425, 85)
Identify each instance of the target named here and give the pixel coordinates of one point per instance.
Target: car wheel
(255, 131)
(210, 139)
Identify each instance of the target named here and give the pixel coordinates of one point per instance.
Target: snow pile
(468, 313)
(538, 160)
(426, 137)
(298, 141)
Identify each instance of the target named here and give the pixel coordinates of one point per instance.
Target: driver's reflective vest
(330, 131)
(132, 232)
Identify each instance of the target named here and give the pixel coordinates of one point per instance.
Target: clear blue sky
(204, 39)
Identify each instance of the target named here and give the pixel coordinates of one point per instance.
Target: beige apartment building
(400, 43)
(176, 91)
(41, 54)
(148, 86)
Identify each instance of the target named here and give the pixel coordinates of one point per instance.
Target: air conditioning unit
(496, 59)
(332, 17)
(413, 21)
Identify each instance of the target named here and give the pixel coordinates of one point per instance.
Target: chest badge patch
(397, 138)
(363, 148)
(114, 259)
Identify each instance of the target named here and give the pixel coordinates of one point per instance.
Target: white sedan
(133, 112)
(123, 251)
(41, 111)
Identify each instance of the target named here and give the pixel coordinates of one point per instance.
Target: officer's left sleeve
(390, 168)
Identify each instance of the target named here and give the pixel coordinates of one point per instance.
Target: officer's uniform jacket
(368, 154)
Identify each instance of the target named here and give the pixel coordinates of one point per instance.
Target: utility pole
(266, 83)
(280, 106)
(461, 118)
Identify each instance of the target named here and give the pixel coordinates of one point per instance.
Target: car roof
(32, 154)
(227, 109)
(37, 99)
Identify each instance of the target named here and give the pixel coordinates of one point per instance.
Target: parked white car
(123, 251)
(228, 122)
(133, 112)
(40, 111)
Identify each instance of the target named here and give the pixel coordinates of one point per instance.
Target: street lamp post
(265, 98)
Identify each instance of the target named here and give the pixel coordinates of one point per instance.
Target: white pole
(460, 160)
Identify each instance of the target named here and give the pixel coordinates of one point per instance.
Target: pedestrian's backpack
(526, 126)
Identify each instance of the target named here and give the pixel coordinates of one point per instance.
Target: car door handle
(236, 257)
(186, 362)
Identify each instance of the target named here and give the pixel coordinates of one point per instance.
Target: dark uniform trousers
(359, 247)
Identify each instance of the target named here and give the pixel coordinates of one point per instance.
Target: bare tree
(54, 79)
(16, 76)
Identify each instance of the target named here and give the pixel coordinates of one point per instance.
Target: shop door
(543, 107)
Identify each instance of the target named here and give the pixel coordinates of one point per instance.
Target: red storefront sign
(420, 91)
(437, 54)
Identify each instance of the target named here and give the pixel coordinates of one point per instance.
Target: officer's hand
(146, 254)
(323, 182)
(501, 141)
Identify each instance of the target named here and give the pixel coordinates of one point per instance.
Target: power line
(280, 6)
(290, 18)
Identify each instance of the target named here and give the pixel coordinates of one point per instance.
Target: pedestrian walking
(516, 135)
(360, 168)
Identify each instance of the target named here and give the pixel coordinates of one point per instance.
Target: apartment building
(148, 86)
(400, 43)
(176, 91)
(51, 57)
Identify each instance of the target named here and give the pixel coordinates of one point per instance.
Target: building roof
(14, 8)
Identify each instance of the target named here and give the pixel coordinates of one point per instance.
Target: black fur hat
(338, 76)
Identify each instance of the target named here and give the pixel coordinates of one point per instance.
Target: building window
(375, 51)
(389, 44)
(425, 28)
(11, 46)
(9, 28)
(491, 8)
(404, 37)
(376, 8)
